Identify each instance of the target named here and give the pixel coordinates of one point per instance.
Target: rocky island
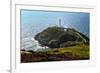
(58, 37)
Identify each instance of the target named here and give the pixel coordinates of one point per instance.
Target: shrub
(23, 50)
(31, 51)
(71, 43)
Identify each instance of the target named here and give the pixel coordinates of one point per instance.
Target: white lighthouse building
(61, 25)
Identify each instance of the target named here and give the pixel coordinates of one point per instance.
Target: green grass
(77, 52)
(82, 51)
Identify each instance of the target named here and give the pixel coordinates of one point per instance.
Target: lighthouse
(60, 24)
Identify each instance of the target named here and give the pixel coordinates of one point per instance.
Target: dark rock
(54, 44)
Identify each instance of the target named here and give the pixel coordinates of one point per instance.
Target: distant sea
(29, 43)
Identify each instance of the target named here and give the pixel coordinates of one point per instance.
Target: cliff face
(56, 37)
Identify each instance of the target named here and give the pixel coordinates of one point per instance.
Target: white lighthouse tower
(59, 22)
(61, 25)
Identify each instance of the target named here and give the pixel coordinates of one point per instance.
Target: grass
(77, 52)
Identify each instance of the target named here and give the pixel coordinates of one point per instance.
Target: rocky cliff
(56, 37)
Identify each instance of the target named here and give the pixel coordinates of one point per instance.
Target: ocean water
(29, 43)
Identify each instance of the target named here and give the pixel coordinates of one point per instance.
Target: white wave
(37, 45)
(31, 44)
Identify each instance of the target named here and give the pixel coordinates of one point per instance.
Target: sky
(34, 21)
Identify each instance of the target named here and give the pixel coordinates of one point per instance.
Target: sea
(29, 43)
